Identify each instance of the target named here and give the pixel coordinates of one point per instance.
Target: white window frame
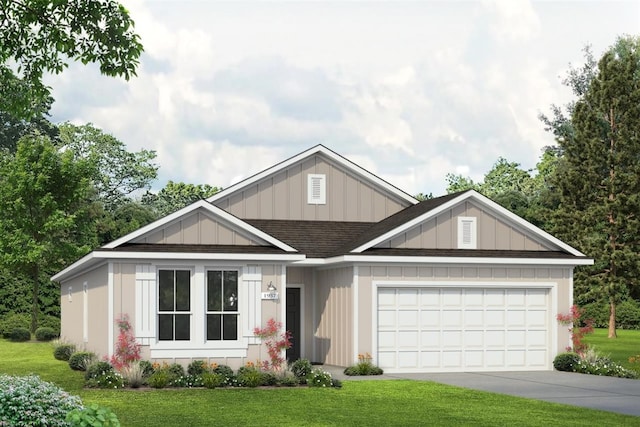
(316, 189)
(175, 312)
(471, 222)
(198, 346)
(238, 302)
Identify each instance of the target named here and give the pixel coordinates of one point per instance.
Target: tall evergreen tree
(598, 176)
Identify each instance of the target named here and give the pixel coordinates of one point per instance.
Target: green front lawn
(376, 402)
(619, 349)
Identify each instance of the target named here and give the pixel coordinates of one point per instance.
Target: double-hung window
(174, 305)
(222, 305)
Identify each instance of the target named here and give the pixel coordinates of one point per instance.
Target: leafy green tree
(128, 216)
(41, 36)
(458, 182)
(177, 195)
(598, 176)
(44, 223)
(117, 172)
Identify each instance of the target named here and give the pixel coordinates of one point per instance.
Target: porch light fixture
(271, 287)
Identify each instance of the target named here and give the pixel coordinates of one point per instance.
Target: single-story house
(348, 262)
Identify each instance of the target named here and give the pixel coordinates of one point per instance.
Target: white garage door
(463, 329)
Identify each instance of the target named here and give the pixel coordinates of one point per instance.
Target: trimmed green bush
(64, 351)
(45, 333)
(566, 362)
(319, 378)
(12, 321)
(197, 367)
(29, 401)
(228, 377)
(628, 314)
(301, 368)
(20, 335)
(97, 368)
(109, 380)
(79, 361)
(176, 369)
(249, 377)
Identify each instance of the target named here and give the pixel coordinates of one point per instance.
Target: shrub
(197, 367)
(133, 374)
(363, 367)
(301, 368)
(12, 321)
(628, 314)
(29, 401)
(110, 379)
(268, 379)
(212, 380)
(94, 416)
(97, 368)
(127, 348)
(79, 361)
(53, 322)
(319, 378)
(20, 335)
(159, 379)
(275, 341)
(598, 312)
(147, 368)
(288, 380)
(249, 377)
(604, 366)
(186, 381)
(228, 377)
(64, 351)
(566, 361)
(176, 369)
(45, 333)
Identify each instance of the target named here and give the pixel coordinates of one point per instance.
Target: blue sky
(409, 90)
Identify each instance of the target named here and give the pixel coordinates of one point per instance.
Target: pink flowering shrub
(577, 333)
(127, 349)
(276, 342)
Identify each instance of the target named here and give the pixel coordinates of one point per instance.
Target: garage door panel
(451, 297)
(473, 318)
(430, 318)
(408, 298)
(430, 339)
(494, 317)
(451, 318)
(463, 328)
(430, 359)
(407, 318)
(387, 319)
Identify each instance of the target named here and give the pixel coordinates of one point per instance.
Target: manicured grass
(619, 349)
(380, 402)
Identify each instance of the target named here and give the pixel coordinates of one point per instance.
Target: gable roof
(216, 212)
(318, 149)
(414, 215)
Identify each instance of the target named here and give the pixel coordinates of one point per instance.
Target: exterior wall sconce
(271, 287)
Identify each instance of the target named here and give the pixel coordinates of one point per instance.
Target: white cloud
(411, 91)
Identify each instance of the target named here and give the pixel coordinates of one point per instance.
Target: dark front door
(293, 323)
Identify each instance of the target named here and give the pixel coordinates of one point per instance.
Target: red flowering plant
(577, 332)
(276, 342)
(127, 349)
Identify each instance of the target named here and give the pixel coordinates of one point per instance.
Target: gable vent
(467, 232)
(316, 189)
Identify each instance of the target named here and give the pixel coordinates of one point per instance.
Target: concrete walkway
(590, 391)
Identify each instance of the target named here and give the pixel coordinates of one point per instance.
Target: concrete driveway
(591, 391)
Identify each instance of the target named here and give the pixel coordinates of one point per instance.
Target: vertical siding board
(251, 209)
(297, 189)
(280, 195)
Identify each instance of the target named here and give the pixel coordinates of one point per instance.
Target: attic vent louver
(467, 232)
(316, 189)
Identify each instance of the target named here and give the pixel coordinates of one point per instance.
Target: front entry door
(293, 323)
